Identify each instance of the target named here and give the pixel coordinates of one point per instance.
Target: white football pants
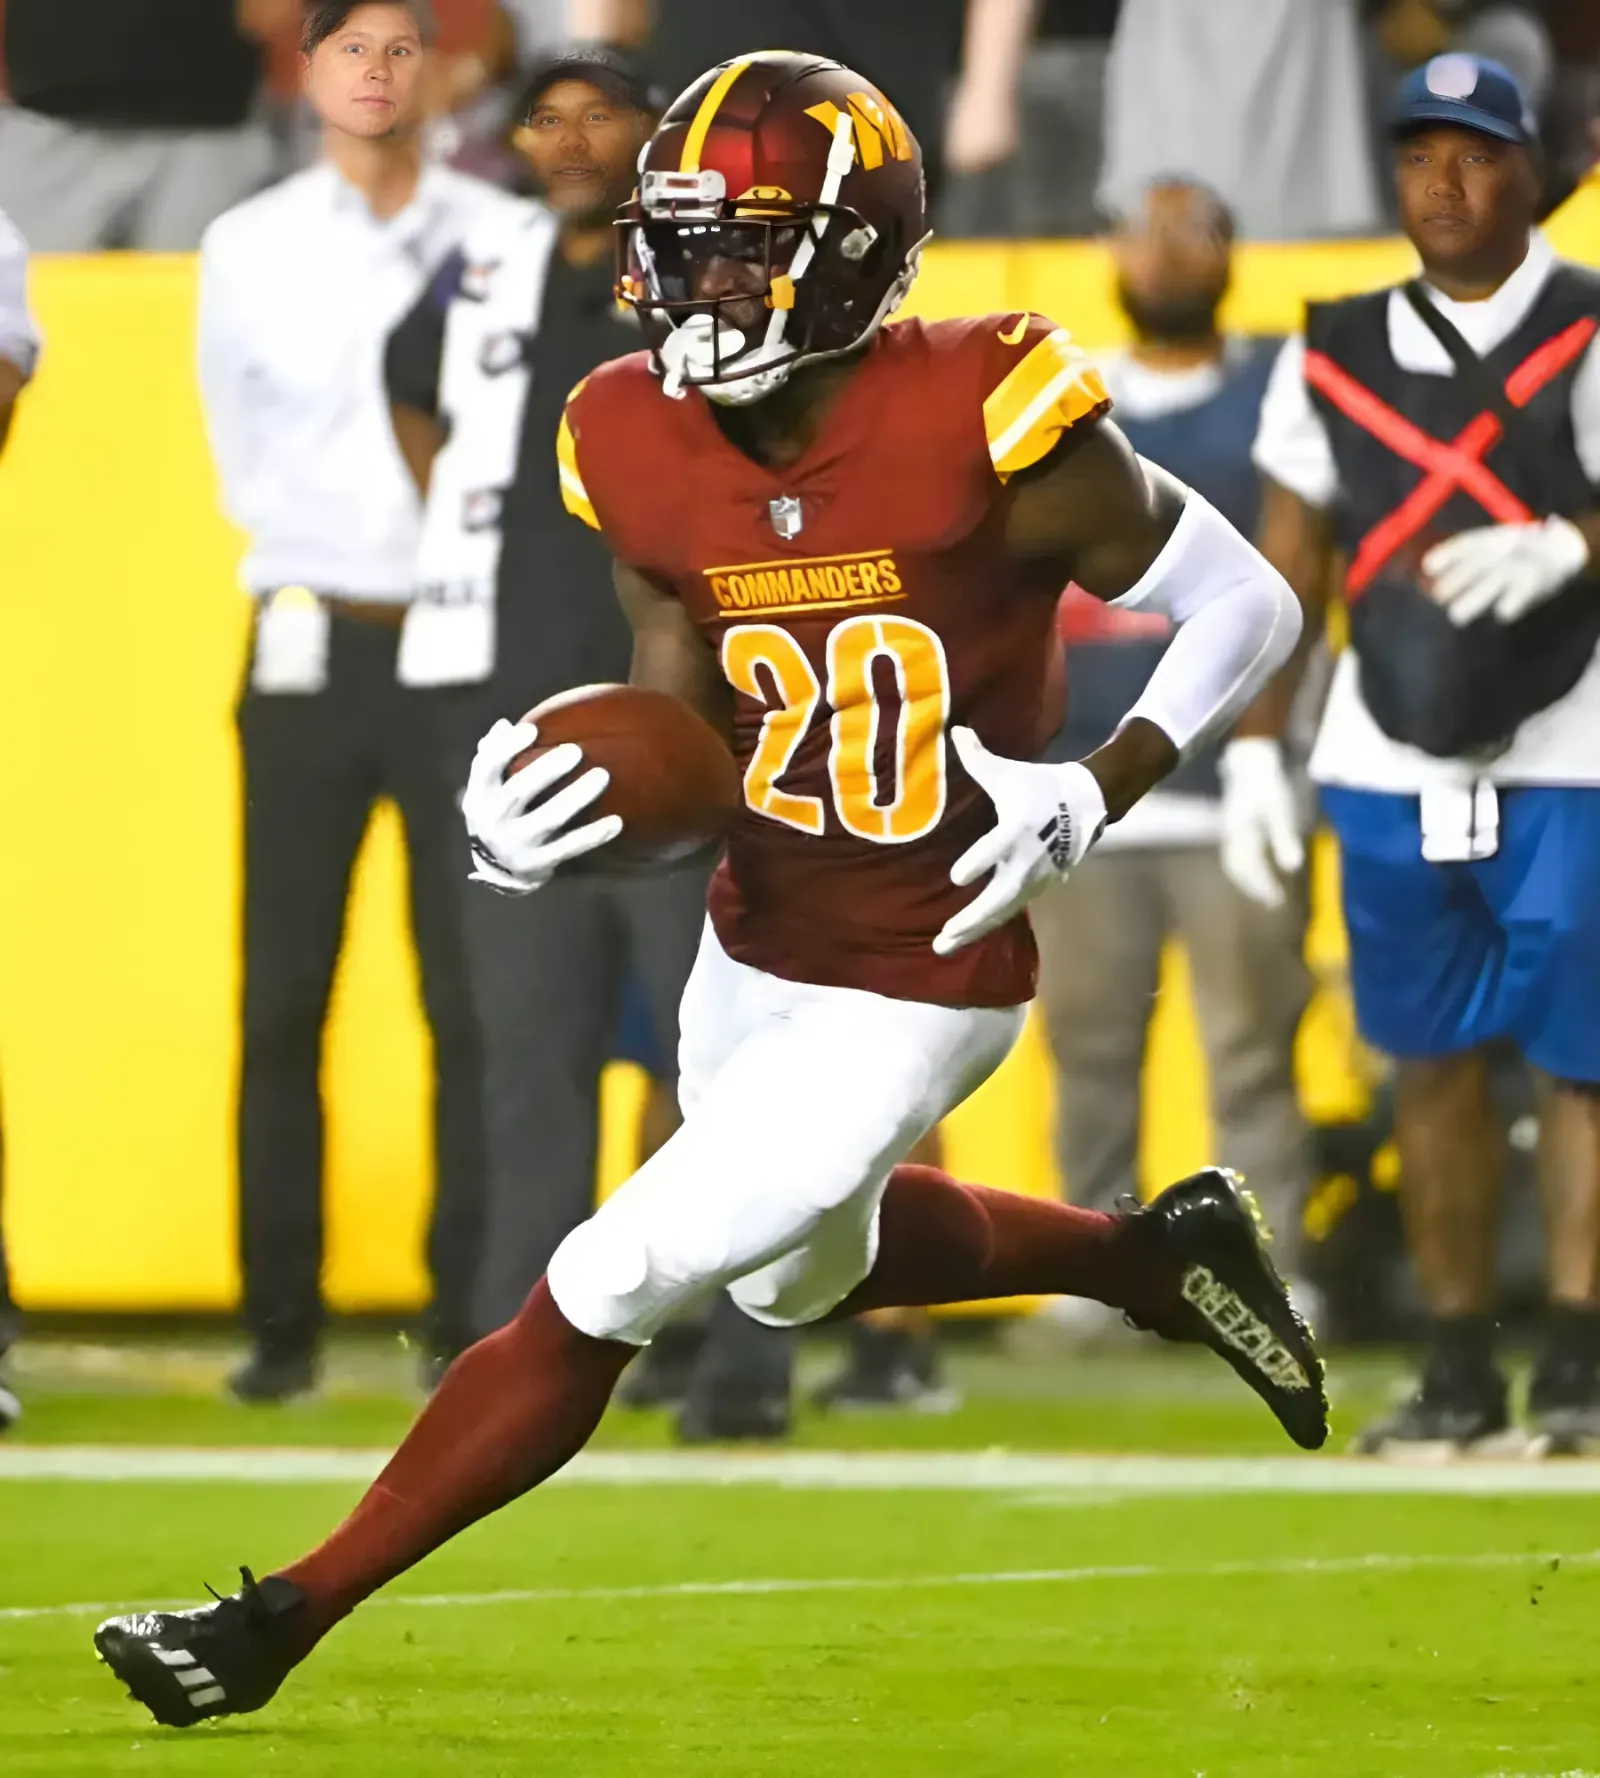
(798, 1101)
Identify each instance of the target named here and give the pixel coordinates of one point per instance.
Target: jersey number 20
(905, 808)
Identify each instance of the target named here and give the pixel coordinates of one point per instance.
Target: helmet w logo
(875, 126)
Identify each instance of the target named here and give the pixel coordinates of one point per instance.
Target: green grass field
(1161, 1618)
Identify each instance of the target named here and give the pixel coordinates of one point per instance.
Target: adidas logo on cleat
(1242, 1328)
(199, 1682)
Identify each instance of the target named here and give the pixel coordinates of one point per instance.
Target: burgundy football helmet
(779, 218)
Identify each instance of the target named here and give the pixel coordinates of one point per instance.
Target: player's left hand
(1506, 569)
(1047, 817)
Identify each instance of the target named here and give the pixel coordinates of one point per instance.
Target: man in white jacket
(298, 290)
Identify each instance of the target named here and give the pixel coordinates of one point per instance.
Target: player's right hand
(518, 840)
(1261, 843)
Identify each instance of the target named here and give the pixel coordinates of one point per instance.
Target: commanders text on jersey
(816, 583)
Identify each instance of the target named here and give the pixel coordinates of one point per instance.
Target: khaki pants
(77, 188)
(1100, 939)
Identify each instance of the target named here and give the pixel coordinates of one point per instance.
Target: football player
(845, 544)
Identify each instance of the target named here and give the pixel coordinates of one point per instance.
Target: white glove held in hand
(1506, 569)
(1261, 841)
(1047, 817)
(517, 841)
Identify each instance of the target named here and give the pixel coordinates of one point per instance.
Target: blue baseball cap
(1472, 92)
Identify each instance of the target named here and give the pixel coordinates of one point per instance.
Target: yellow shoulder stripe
(1050, 390)
(574, 495)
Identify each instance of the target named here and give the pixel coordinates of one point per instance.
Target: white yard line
(725, 1589)
(983, 1471)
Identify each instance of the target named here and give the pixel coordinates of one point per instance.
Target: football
(673, 780)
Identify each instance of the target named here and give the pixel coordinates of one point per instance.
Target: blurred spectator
(1188, 399)
(19, 354)
(1444, 438)
(1027, 120)
(1262, 100)
(299, 289)
(134, 122)
(1411, 32)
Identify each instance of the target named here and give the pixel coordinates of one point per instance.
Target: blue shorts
(1445, 957)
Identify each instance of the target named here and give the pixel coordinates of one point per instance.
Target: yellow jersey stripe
(694, 143)
(1053, 388)
(574, 495)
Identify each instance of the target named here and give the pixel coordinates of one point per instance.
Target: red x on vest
(1457, 464)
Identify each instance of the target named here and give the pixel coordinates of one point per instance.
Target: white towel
(484, 379)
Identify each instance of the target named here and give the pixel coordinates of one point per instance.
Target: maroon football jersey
(860, 601)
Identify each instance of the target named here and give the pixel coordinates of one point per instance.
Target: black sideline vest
(1420, 457)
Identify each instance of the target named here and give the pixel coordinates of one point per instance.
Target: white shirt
(19, 337)
(1263, 100)
(1561, 745)
(299, 291)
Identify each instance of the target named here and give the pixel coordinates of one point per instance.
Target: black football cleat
(888, 1368)
(662, 1373)
(733, 1416)
(1454, 1409)
(273, 1374)
(1564, 1407)
(225, 1659)
(1233, 1299)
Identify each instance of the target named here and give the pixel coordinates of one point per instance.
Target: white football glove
(517, 840)
(1047, 817)
(1261, 841)
(1506, 569)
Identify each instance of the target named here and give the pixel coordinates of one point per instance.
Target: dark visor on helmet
(669, 262)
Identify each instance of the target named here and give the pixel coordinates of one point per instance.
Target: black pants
(547, 973)
(313, 767)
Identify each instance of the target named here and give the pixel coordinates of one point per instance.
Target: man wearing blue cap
(1442, 440)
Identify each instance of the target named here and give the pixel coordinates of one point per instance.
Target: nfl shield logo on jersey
(786, 519)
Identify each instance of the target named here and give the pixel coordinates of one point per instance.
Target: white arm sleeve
(1238, 621)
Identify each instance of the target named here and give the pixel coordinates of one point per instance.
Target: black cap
(1471, 92)
(601, 66)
